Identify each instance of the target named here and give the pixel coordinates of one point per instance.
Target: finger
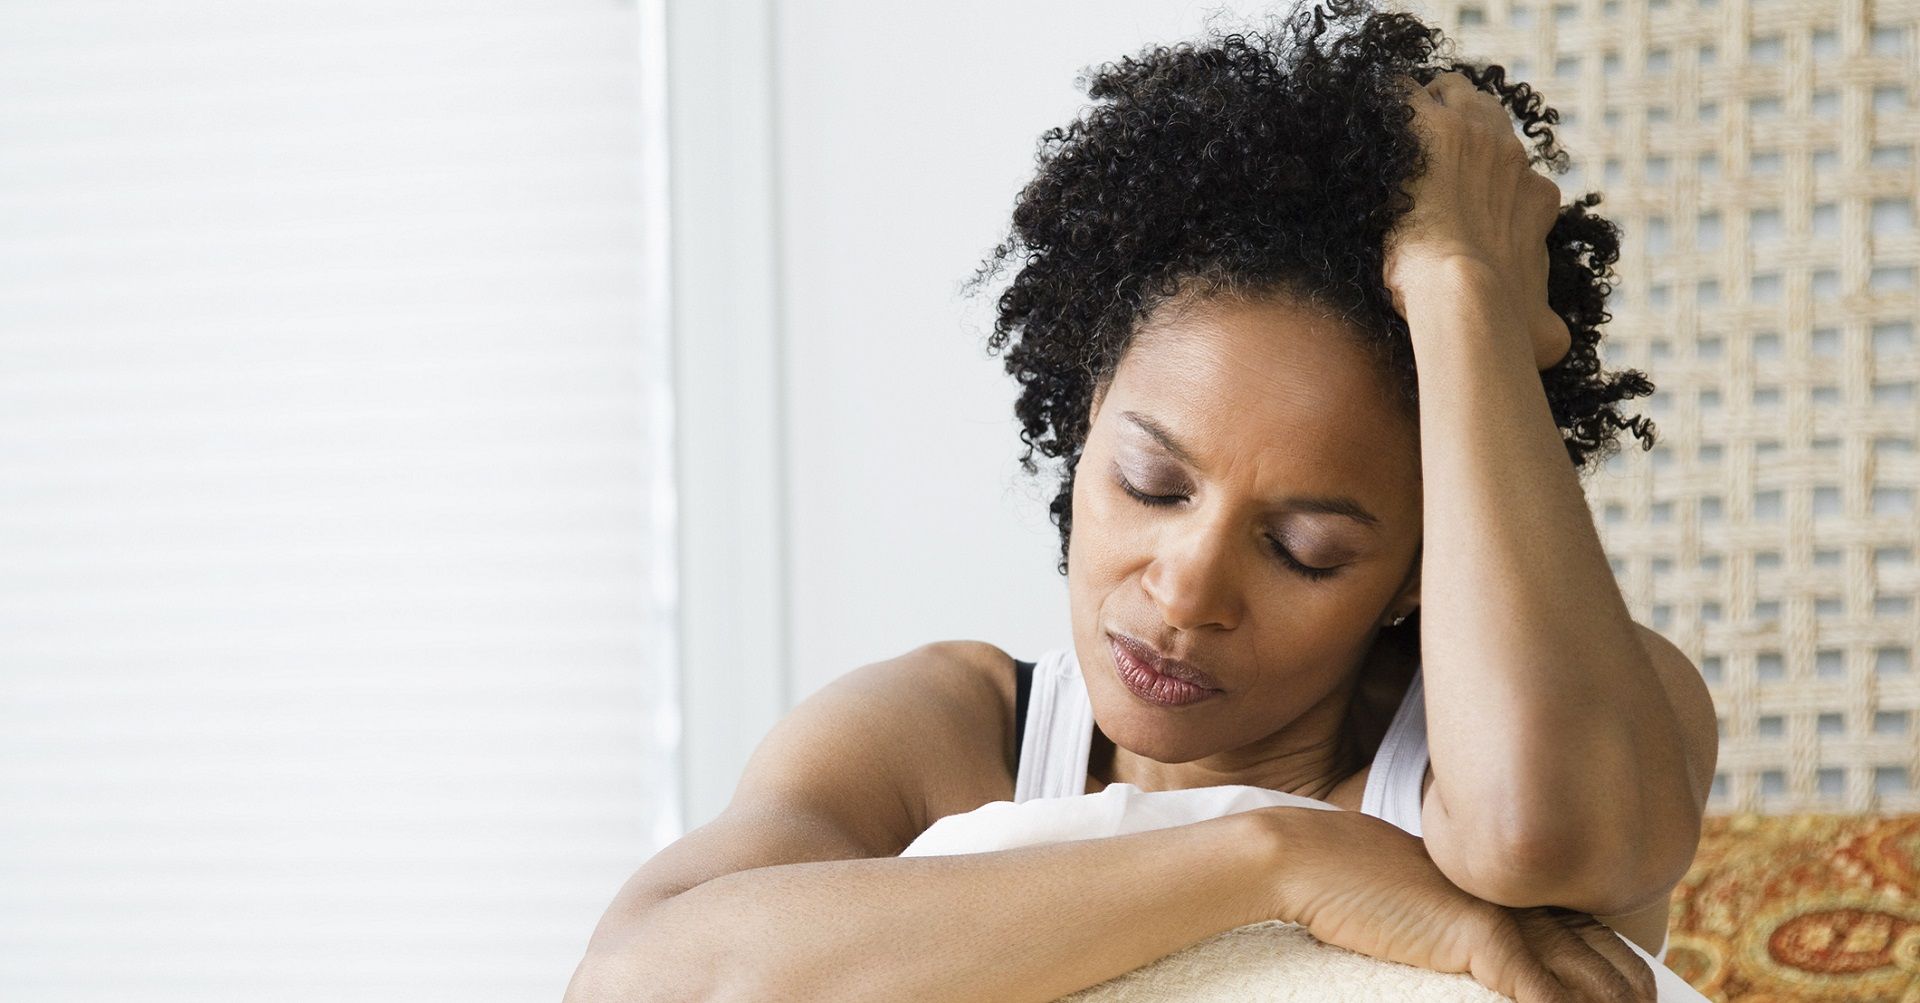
(1451, 87)
(1413, 89)
(1418, 97)
(1491, 111)
(1540, 204)
(1633, 967)
(1555, 343)
(1456, 90)
(1504, 959)
(1538, 985)
(1577, 963)
(1424, 106)
(1544, 191)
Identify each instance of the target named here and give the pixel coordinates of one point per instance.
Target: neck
(1311, 772)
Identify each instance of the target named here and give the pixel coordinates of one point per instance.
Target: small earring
(1398, 620)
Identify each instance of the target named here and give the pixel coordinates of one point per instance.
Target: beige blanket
(1272, 962)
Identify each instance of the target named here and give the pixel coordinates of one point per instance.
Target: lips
(1172, 668)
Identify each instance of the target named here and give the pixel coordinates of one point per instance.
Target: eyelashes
(1162, 501)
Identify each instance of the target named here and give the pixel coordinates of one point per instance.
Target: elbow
(599, 979)
(1603, 873)
(633, 978)
(638, 963)
(1605, 855)
(642, 979)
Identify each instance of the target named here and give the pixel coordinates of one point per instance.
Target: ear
(1408, 598)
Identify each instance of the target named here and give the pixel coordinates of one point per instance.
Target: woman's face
(1283, 421)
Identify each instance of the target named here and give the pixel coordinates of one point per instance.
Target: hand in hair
(1478, 201)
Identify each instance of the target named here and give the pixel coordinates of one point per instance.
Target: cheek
(1100, 560)
(1109, 545)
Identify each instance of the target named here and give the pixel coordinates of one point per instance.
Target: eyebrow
(1324, 504)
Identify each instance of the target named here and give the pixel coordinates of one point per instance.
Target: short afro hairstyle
(1262, 162)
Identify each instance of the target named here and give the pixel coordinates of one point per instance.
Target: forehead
(1263, 380)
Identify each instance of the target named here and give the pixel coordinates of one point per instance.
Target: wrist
(1425, 279)
(1464, 303)
(1284, 844)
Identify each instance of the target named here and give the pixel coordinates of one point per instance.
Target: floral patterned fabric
(1801, 907)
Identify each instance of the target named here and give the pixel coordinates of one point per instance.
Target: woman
(1232, 268)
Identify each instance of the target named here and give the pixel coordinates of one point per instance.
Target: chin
(1142, 730)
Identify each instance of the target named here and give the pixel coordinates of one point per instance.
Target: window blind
(336, 595)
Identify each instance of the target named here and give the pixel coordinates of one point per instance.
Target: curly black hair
(1263, 162)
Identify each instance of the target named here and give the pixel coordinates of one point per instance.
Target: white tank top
(1059, 738)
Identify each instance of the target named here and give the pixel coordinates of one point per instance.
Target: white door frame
(729, 402)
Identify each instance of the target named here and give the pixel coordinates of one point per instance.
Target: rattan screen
(1761, 160)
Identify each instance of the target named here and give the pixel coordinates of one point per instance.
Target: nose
(1194, 578)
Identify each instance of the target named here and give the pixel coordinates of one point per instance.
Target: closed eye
(1286, 558)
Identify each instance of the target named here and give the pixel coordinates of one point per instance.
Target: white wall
(905, 131)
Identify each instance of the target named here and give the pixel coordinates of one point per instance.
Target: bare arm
(1570, 759)
(796, 891)
(1033, 923)
(1552, 733)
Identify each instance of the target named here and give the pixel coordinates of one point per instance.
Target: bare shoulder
(988, 674)
(975, 762)
(858, 769)
(927, 733)
(976, 669)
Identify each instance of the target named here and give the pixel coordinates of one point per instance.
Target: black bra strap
(1022, 686)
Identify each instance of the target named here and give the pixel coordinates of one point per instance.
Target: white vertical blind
(336, 592)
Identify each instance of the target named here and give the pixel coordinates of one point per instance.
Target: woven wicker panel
(1761, 159)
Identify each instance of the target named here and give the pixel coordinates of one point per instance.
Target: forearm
(1033, 923)
(1549, 730)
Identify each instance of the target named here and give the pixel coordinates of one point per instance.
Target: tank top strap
(1058, 734)
(1400, 766)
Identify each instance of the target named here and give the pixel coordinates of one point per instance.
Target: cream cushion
(1271, 961)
